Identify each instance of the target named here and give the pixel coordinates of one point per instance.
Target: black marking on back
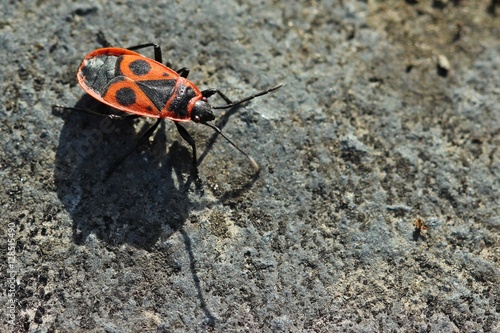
(182, 97)
(110, 83)
(98, 72)
(158, 91)
(125, 96)
(139, 67)
(118, 71)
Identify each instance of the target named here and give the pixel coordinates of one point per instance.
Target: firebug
(143, 87)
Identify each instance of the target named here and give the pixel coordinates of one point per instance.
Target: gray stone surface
(390, 113)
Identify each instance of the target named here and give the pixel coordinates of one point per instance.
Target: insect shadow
(147, 196)
(144, 198)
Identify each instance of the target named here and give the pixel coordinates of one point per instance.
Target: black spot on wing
(139, 67)
(104, 90)
(125, 96)
(158, 91)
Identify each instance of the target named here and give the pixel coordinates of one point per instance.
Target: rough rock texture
(390, 115)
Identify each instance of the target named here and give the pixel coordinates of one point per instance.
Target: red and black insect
(130, 82)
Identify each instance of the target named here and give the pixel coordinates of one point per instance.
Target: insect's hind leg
(109, 116)
(156, 47)
(184, 71)
(101, 38)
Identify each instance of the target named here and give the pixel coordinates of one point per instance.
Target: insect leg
(143, 138)
(101, 38)
(110, 116)
(156, 47)
(209, 92)
(184, 72)
(186, 136)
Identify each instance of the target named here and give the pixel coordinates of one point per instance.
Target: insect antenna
(250, 158)
(246, 99)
